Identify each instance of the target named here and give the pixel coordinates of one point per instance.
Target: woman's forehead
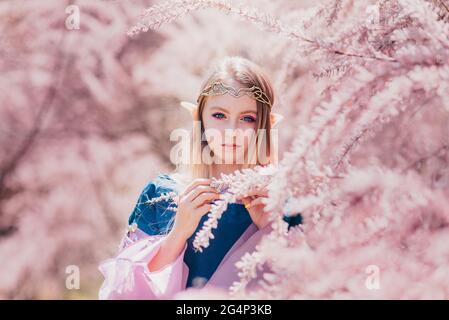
(231, 104)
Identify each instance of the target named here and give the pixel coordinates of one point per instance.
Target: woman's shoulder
(161, 183)
(151, 213)
(173, 181)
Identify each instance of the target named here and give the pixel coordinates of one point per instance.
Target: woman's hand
(253, 202)
(194, 202)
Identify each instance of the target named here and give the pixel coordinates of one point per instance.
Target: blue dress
(157, 219)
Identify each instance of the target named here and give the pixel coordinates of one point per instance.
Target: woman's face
(229, 124)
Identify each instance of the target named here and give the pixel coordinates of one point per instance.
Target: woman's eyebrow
(219, 108)
(248, 111)
(225, 110)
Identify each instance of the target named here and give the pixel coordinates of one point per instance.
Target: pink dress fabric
(127, 275)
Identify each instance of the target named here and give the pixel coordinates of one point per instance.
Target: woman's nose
(233, 127)
(230, 134)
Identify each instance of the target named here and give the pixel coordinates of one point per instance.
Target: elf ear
(275, 118)
(191, 107)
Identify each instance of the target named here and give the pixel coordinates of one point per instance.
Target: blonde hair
(246, 74)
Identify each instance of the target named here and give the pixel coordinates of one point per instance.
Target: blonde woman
(233, 119)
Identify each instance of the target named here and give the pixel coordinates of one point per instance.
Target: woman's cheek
(214, 140)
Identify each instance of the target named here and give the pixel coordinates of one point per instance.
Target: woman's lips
(230, 145)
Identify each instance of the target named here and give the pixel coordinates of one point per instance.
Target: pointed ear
(191, 107)
(275, 118)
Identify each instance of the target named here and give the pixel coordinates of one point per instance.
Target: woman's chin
(230, 158)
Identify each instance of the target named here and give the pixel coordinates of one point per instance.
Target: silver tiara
(219, 88)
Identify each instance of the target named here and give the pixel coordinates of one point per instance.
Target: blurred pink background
(86, 112)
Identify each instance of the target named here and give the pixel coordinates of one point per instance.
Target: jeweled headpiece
(219, 88)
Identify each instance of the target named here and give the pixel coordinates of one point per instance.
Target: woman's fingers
(205, 197)
(195, 193)
(253, 195)
(202, 210)
(195, 183)
(256, 193)
(246, 201)
(256, 202)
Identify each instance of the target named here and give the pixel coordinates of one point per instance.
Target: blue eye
(249, 119)
(218, 115)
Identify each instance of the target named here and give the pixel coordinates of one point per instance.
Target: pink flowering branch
(232, 187)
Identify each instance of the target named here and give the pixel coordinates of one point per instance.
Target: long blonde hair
(246, 73)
